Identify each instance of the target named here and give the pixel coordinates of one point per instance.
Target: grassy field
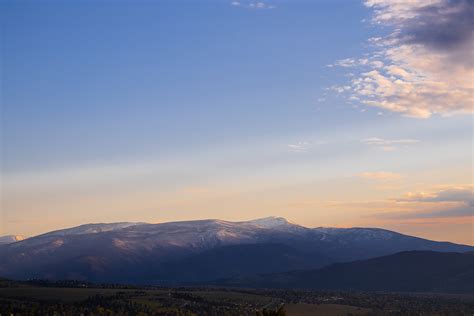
(61, 294)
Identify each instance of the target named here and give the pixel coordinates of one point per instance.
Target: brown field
(302, 309)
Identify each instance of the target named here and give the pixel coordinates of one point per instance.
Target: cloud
(299, 147)
(252, 4)
(305, 146)
(456, 201)
(381, 176)
(352, 62)
(461, 211)
(446, 212)
(451, 194)
(388, 144)
(450, 203)
(438, 24)
(423, 67)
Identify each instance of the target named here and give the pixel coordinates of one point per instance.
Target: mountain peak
(270, 221)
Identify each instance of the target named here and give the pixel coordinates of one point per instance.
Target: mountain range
(199, 252)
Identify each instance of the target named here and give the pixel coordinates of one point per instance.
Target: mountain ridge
(113, 226)
(102, 252)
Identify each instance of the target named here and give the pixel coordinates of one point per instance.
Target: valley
(74, 298)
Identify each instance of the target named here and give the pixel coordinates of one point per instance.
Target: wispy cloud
(305, 146)
(422, 67)
(300, 147)
(388, 144)
(353, 62)
(252, 5)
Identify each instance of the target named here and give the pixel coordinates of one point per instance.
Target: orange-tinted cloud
(423, 67)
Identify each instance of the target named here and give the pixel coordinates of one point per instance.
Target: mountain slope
(348, 244)
(185, 251)
(414, 271)
(91, 229)
(237, 260)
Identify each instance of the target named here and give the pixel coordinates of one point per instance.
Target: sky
(327, 113)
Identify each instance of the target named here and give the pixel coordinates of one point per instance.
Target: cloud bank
(463, 194)
(455, 201)
(425, 66)
(447, 203)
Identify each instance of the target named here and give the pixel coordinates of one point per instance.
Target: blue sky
(131, 80)
(171, 110)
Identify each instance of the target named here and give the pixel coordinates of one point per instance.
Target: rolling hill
(412, 271)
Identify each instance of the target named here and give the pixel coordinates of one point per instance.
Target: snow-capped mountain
(8, 239)
(91, 229)
(270, 222)
(193, 251)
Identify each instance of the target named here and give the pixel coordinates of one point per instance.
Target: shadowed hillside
(414, 271)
